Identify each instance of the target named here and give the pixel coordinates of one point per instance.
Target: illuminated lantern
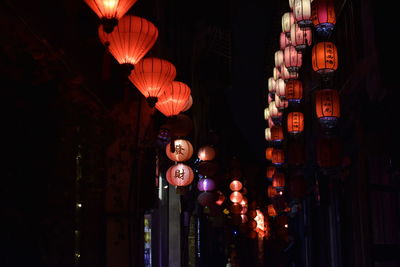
(180, 175)
(279, 58)
(130, 40)
(328, 153)
(278, 181)
(206, 153)
(281, 104)
(266, 114)
(276, 134)
(272, 191)
(296, 154)
(286, 75)
(295, 122)
(273, 110)
(276, 73)
(236, 197)
(235, 208)
(221, 198)
(270, 172)
(294, 91)
(287, 20)
(300, 37)
(268, 134)
(283, 41)
(327, 107)
(278, 157)
(174, 98)
(302, 12)
(280, 88)
(182, 150)
(323, 17)
(271, 84)
(207, 198)
(150, 75)
(110, 11)
(268, 153)
(271, 211)
(207, 168)
(292, 58)
(206, 184)
(189, 104)
(235, 185)
(324, 57)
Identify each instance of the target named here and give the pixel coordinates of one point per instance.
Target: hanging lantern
(300, 37)
(206, 184)
(295, 123)
(278, 58)
(189, 104)
(292, 58)
(268, 153)
(270, 172)
(277, 134)
(294, 91)
(278, 157)
(280, 88)
(287, 20)
(281, 104)
(206, 153)
(130, 40)
(271, 84)
(327, 107)
(328, 153)
(283, 40)
(235, 185)
(150, 75)
(271, 211)
(207, 198)
(286, 75)
(302, 12)
(236, 197)
(324, 57)
(252, 224)
(174, 98)
(323, 17)
(273, 111)
(182, 150)
(221, 198)
(180, 175)
(272, 191)
(179, 125)
(245, 219)
(278, 181)
(110, 11)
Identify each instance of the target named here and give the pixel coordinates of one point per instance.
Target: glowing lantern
(280, 88)
(295, 122)
(236, 197)
(281, 104)
(277, 134)
(286, 75)
(268, 153)
(130, 40)
(235, 185)
(206, 184)
(206, 153)
(323, 17)
(278, 181)
(287, 20)
(189, 104)
(278, 157)
(328, 153)
(207, 198)
(302, 12)
(283, 41)
(271, 211)
(179, 175)
(245, 219)
(266, 114)
(150, 75)
(182, 150)
(270, 172)
(324, 57)
(110, 11)
(272, 191)
(292, 58)
(221, 198)
(279, 58)
(294, 91)
(174, 98)
(327, 107)
(271, 84)
(300, 37)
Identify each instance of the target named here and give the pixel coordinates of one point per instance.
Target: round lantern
(235, 185)
(295, 122)
(278, 157)
(287, 20)
(174, 98)
(283, 41)
(280, 103)
(287, 75)
(268, 153)
(182, 150)
(324, 57)
(221, 198)
(292, 59)
(270, 172)
(235, 208)
(207, 198)
(279, 58)
(294, 91)
(327, 107)
(189, 104)
(272, 191)
(277, 134)
(278, 181)
(206, 184)
(323, 17)
(271, 84)
(236, 197)
(150, 75)
(280, 88)
(302, 12)
(206, 153)
(328, 153)
(180, 175)
(301, 38)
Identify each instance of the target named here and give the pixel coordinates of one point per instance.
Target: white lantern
(271, 84)
(302, 12)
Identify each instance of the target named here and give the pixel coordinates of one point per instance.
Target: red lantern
(323, 16)
(110, 11)
(283, 41)
(268, 153)
(287, 20)
(235, 185)
(277, 134)
(131, 39)
(294, 91)
(295, 122)
(329, 153)
(292, 58)
(324, 57)
(189, 104)
(206, 153)
(327, 107)
(182, 151)
(236, 197)
(278, 157)
(270, 172)
(151, 75)
(272, 192)
(278, 181)
(174, 98)
(302, 12)
(300, 37)
(180, 175)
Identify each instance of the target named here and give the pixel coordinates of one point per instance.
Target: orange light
(327, 107)
(174, 98)
(235, 185)
(180, 175)
(294, 91)
(295, 122)
(182, 150)
(268, 153)
(206, 153)
(278, 157)
(236, 197)
(324, 57)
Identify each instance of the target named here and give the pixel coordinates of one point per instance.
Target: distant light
(286, 225)
(165, 186)
(79, 205)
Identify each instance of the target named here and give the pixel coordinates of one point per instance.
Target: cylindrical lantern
(324, 57)
(294, 91)
(182, 150)
(287, 20)
(236, 197)
(278, 58)
(278, 157)
(327, 107)
(278, 181)
(302, 12)
(323, 17)
(235, 185)
(270, 172)
(280, 88)
(271, 84)
(300, 37)
(268, 153)
(206, 153)
(281, 104)
(287, 75)
(295, 122)
(179, 175)
(283, 41)
(292, 59)
(206, 184)
(174, 98)
(277, 134)
(271, 211)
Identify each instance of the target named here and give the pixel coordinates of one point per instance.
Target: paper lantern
(235, 185)
(174, 98)
(324, 57)
(284, 40)
(268, 153)
(180, 175)
(278, 181)
(206, 184)
(206, 153)
(277, 134)
(287, 20)
(150, 75)
(271, 211)
(266, 114)
(245, 219)
(189, 104)
(179, 125)
(278, 157)
(182, 150)
(295, 123)
(267, 134)
(207, 198)
(294, 91)
(327, 107)
(130, 40)
(272, 191)
(280, 88)
(110, 11)
(278, 58)
(292, 59)
(236, 197)
(271, 84)
(270, 172)
(280, 103)
(301, 38)
(273, 110)
(302, 12)
(291, 4)
(323, 17)
(287, 75)
(329, 153)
